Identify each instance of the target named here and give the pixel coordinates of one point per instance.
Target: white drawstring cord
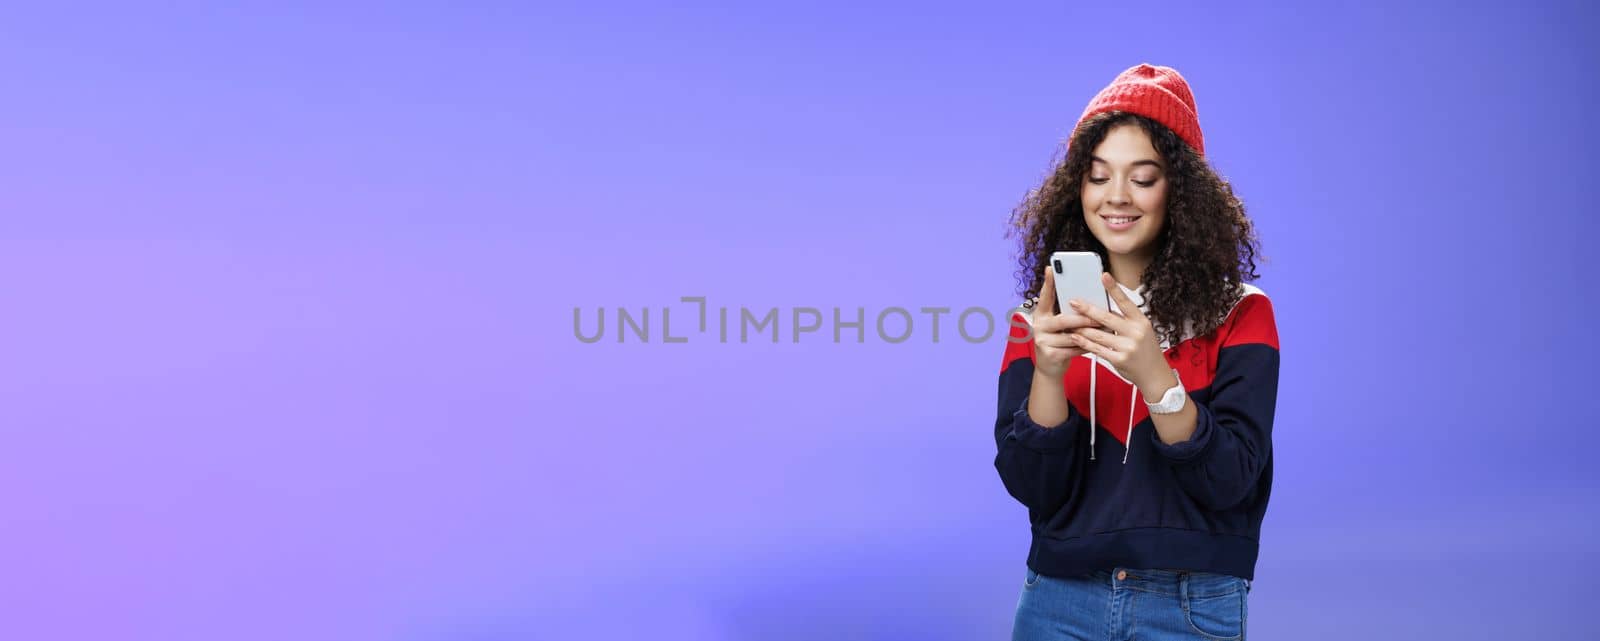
(1094, 419)
(1130, 423)
(1092, 428)
(1093, 412)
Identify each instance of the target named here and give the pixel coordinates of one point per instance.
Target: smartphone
(1077, 276)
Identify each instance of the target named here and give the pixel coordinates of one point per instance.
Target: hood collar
(1135, 295)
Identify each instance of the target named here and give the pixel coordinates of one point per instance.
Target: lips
(1119, 223)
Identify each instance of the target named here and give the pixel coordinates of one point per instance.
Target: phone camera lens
(1058, 265)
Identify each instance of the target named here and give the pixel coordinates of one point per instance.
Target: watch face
(1170, 402)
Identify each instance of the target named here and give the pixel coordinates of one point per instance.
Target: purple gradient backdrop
(289, 314)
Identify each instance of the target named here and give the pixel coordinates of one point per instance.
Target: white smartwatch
(1172, 401)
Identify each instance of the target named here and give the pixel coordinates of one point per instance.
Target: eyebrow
(1136, 163)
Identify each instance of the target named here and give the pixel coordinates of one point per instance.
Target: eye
(1099, 181)
(1143, 183)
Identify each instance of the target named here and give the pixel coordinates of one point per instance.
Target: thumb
(1047, 294)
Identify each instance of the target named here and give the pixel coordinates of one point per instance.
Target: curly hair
(1204, 253)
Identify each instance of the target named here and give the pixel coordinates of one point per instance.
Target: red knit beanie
(1154, 92)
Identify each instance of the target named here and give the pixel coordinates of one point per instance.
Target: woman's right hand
(1052, 345)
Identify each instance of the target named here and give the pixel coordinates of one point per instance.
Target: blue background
(289, 350)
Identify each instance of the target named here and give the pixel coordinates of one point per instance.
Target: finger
(1055, 341)
(1082, 342)
(1070, 320)
(1066, 321)
(1049, 324)
(1116, 343)
(1129, 309)
(1105, 318)
(1047, 296)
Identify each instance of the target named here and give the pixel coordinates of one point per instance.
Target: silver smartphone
(1077, 276)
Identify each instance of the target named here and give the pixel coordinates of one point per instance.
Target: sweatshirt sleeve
(1223, 460)
(1035, 462)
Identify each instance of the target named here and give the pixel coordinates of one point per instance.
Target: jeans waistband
(1170, 581)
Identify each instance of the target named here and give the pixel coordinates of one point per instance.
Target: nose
(1117, 193)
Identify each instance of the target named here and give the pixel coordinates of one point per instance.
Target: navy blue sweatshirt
(1103, 491)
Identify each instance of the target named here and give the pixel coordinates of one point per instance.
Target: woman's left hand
(1134, 350)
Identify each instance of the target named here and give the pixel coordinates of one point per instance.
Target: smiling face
(1124, 194)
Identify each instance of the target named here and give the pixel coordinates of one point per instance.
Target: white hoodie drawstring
(1092, 428)
(1093, 417)
(1131, 399)
(1093, 414)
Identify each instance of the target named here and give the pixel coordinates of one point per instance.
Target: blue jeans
(1128, 603)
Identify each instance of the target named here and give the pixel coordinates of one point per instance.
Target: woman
(1149, 530)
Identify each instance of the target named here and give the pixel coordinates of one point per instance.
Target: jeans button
(1122, 575)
